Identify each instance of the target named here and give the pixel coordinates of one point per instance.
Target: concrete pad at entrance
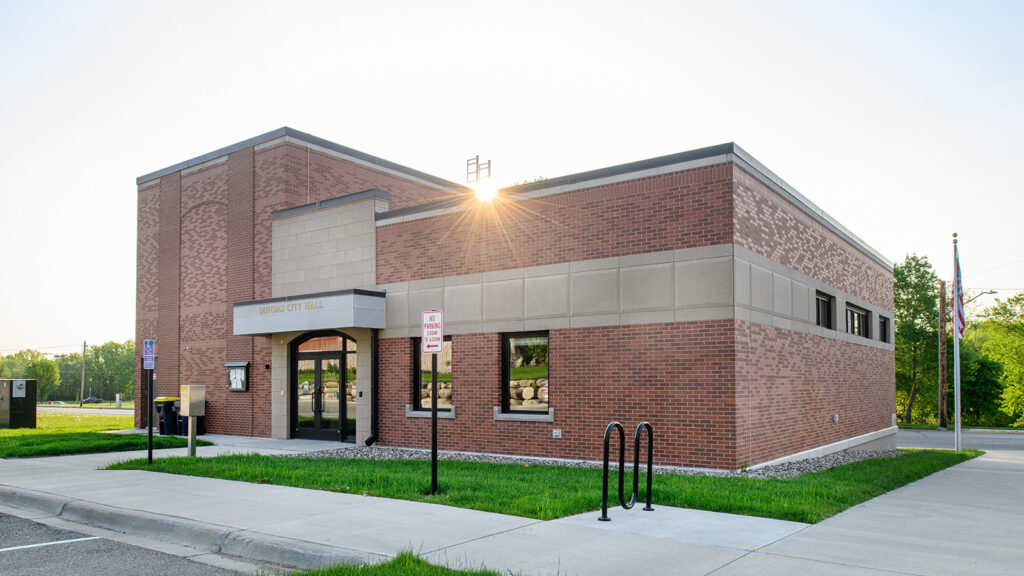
(692, 526)
(568, 549)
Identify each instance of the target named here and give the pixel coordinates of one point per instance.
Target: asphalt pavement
(962, 520)
(29, 548)
(974, 439)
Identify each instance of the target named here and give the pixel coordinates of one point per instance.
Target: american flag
(957, 304)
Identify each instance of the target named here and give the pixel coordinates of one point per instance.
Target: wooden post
(942, 353)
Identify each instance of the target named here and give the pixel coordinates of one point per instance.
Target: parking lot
(31, 548)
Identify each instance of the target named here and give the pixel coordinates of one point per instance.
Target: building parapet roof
(721, 153)
(309, 139)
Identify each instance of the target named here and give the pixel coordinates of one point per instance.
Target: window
(824, 311)
(421, 366)
(857, 321)
(525, 372)
(883, 328)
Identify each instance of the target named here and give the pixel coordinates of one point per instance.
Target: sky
(901, 119)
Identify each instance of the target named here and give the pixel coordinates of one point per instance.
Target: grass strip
(547, 492)
(62, 434)
(405, 564)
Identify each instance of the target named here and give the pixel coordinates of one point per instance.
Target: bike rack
(622, 465)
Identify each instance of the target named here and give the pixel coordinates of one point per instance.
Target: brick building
(697, 291)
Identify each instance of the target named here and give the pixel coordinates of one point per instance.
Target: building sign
(433, 332)
(148, 353)
(286, 307)
(19, 389)
(332, 310)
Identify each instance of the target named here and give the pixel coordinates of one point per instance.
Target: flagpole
(958, 326)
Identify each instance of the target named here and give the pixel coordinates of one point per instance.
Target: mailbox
(193, 400)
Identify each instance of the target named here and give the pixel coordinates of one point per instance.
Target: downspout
(374, 385)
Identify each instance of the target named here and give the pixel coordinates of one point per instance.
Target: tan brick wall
(325, 250)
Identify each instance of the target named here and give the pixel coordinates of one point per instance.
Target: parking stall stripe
(49, 543)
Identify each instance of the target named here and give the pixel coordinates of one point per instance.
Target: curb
(194, 533)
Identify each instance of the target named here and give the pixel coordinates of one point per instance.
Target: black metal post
(433, 424)
(650, 462)
(604, 483)
(149, 411)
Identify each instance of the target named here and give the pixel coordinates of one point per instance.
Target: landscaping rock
(786, 470)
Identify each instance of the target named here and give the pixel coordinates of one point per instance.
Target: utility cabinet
(17, 403)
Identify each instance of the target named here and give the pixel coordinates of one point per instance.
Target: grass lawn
(59, 434)
(405, 564)
(547, 492)
(72, 404)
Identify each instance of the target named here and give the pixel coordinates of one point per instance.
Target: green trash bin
(168, 421)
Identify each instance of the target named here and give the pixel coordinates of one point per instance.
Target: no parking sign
(433, 332)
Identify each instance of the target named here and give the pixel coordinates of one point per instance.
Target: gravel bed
(786, 470)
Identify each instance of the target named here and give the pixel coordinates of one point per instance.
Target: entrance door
(323, 387)
(319, 411)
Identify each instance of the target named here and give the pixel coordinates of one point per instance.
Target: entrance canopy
(327, 310)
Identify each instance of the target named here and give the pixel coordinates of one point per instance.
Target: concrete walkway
(964, 520)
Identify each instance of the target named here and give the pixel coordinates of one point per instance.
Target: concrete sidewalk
(962, 520)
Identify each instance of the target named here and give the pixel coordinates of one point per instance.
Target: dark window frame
(417, 404)
(883, 328)
(830, 306)
(858, 321)
(506, 372)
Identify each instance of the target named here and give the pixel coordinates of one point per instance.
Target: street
(944, 440)
(30, 548)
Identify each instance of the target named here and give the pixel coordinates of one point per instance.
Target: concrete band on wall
(709, 283)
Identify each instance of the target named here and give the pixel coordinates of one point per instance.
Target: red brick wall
(169, 279)
(679, 210)
(773, 227)
(146, 281)
(788, 386)
(205, 243)
(314, 176)
(678, 376)
(204, 280)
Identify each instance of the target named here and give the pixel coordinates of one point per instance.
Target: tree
(1008, 315)
(1006, 344)
(109, 369)
(47, 377)
(915, 300)
(980, 384)
(31, 364)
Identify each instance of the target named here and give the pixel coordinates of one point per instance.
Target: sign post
(432, 343)
(148, 360)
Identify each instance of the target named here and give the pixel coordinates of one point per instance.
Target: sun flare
(485, 191)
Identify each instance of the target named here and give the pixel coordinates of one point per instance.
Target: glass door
(307, 396)
(319, 411)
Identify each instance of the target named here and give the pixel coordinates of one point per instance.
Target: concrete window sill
(524, 416)
(410, 413)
